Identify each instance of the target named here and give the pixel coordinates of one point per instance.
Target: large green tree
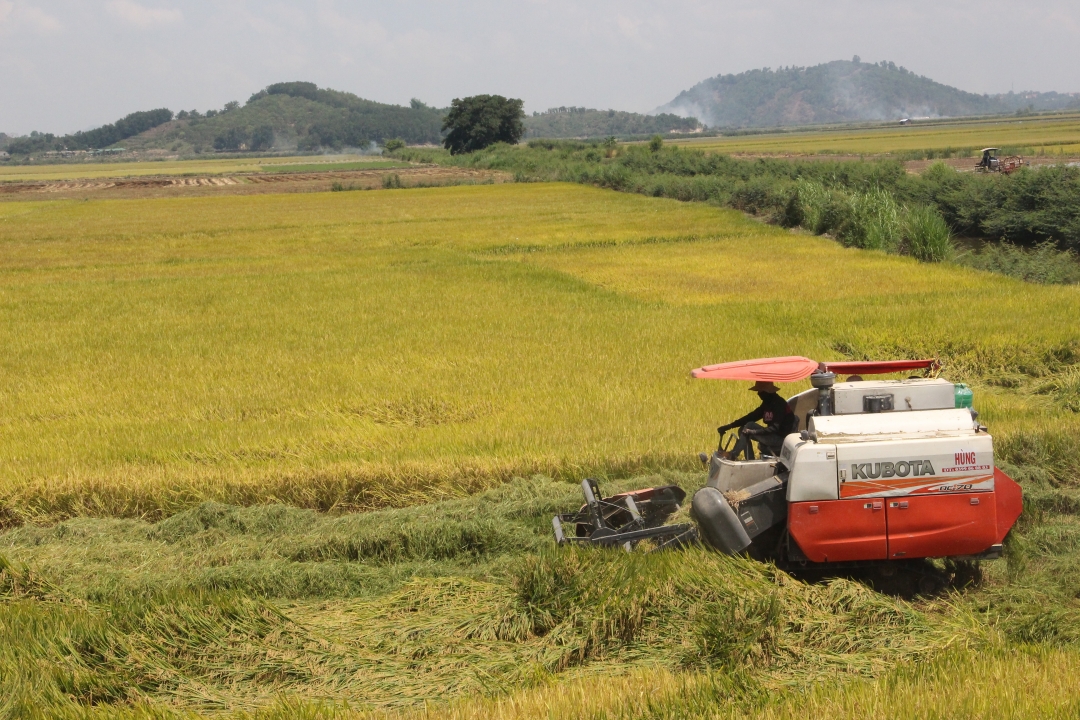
(475, 122)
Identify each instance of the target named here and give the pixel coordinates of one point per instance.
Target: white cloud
(75, 63)
(351, 29)
(141, 16)
(629, 27)
(28, 15)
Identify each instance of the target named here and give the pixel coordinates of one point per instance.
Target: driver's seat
(770, 450)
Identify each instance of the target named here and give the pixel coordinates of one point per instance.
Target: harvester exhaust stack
(824, 382)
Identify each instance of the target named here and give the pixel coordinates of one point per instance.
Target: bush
(232, 139)
(836, 213)
(1042, 264)
(789, 214)
(870, 220)
(757, 195)
(1031, 206)
(873, 222)
(308, 143)
(262, 138)
(307, 90)
(812, 199)
(394, 144)
(926, 235)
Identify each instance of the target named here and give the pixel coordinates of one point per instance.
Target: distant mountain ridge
(841, 91)
(302, 116)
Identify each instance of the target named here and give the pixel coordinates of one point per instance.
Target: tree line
(585, 123)
(104, 136)
(303, 116)
(351, 121)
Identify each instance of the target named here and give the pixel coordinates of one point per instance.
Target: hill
(302, 116)
(296, 115)
(841, 91)
(299, 115)
(579, 122)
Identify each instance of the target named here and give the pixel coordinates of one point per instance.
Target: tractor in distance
(990, 162)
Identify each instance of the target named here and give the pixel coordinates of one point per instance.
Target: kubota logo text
(872, 471)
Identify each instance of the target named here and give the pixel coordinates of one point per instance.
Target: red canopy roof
(877, 367)
(795, 368)
(782, 369)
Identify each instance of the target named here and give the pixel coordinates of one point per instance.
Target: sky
(68, 65)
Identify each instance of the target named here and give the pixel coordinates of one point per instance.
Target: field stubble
(210, 166)
(283, 179)
(463, 609)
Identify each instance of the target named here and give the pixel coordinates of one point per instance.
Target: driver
(774, 412)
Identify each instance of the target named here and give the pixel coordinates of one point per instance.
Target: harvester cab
(875, 471)
(990, 162)
(989, 159)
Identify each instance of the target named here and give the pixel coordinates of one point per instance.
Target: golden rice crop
(344, 351)
(1006, 684)
(1002, 683)
(1053, 135)
(363, 349)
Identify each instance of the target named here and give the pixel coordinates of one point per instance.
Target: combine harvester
(876, 473)
(990, 162)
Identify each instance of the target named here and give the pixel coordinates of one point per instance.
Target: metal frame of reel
(628, 534)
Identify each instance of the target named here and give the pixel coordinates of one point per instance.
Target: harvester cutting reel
(625, 519)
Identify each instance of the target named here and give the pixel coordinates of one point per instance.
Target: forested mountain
(296, 115)
(579, 122)
(104, 136)
(284, 116)
(301, 116)
(840, 91)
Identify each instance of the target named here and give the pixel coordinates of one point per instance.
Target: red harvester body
(876, 471)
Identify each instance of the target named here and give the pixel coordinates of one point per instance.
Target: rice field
(211, 166)
(1057, 135)
(339, 350)
(1007, 684)
(296, 456)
